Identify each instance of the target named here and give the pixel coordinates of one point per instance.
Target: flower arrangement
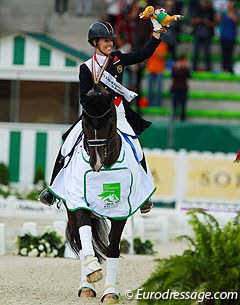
(49, 244)
(31, 192)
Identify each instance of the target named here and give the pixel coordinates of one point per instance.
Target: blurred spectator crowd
(204, 19)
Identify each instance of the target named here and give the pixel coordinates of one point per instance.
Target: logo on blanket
(111, 194)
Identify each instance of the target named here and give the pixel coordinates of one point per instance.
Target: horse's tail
(73, 240)
(100, 231)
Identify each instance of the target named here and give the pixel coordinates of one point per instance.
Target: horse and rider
(100, 172)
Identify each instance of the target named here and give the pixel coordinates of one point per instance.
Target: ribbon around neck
(110, 81)
(96, 78)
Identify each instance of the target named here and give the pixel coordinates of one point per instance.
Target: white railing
(190, 179)
(160, 225)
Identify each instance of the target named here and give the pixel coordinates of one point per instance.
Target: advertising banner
(163, 168)
(212, 179)
(212, 184)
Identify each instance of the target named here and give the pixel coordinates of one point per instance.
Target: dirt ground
(54, 281)
(46, 281)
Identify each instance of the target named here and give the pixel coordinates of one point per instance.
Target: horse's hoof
(93, 269)
(94, 277)
(86, 290)
(110, 299)
(110, 295)
(86, 293)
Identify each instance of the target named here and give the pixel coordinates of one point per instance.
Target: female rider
(107, 66)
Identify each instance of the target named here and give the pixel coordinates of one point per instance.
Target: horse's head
(99, 127)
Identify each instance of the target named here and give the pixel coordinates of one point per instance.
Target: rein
(96, 117)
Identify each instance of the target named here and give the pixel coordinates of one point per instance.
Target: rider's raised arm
(142, 54)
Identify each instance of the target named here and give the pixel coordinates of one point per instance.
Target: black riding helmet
(100, 30)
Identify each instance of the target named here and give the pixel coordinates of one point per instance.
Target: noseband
(95, 116)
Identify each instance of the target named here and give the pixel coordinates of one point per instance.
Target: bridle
(97, 117)
(104, 142)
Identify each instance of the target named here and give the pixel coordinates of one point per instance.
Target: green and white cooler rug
(114, 192)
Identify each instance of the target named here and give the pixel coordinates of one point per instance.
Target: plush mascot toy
(160, 17)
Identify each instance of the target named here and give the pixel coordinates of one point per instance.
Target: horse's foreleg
(117, 226)
(79, 236)
(110, 293)
(92, 266)
(86, 289)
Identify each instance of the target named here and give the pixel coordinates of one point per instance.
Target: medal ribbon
(112, 83)
(96, 78)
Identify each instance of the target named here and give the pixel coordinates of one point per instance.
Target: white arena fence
(160, 225)
(183, 180)
(187, 179)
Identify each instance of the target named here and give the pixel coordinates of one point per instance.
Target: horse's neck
(114, 149)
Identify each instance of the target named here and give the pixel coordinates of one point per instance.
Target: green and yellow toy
(160, 15)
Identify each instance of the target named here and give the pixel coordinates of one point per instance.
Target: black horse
(103, 144)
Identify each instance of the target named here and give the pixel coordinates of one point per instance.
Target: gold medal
(119, 69)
